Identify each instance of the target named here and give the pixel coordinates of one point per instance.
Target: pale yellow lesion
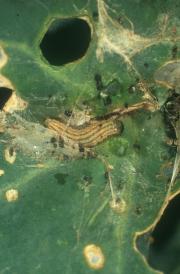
(12, 195)
(3, 57)
(15, 103)
(2, 121)
(10, 155)
(2, 172)
(176, 169)
(5, 82)
(94, 256)
(118, 206)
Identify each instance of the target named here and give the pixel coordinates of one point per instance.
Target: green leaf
(59, 206)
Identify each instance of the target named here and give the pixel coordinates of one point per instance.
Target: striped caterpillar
(96, 131)
(89, 136)
(61, 139)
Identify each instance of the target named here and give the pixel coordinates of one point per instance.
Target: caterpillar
(61, 139)
(96, 131)
(92, 134)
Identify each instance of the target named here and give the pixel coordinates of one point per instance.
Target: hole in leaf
(65, 41)
(162, 246)
(5, 94)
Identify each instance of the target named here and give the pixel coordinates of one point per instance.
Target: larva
(60, 139)
(97, 130)
(89, 136)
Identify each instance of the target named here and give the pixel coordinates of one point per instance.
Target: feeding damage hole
(163, 244)
(66, 40)
(5, 94)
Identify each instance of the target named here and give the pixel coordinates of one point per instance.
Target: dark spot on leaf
(136, 146)
(174, 51)
(106, 175)
(146, 65)
(126, 105)
(119, 186)
(95, 15)
(55, 145)
(61, 142)
(132, 89)
(87, 179)
(120, 126)
(50, 96)
(112, 87)
(120, 20)
(90, 155)
(107, 101)
(65, 157)
(68, 113)
(118, 200)
(98, 80)
(11, 151)
(81, 148)
(53, 140)
(138, 210)
(61, 178)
